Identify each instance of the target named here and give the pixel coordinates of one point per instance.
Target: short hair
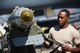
(66, 11)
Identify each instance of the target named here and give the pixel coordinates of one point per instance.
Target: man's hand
(67, 48)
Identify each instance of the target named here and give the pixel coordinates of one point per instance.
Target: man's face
(62, 18)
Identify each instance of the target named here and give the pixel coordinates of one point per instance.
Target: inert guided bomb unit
(23, 36)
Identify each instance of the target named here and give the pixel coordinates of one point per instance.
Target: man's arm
(76, 39)
(76, 49)
(73, 50)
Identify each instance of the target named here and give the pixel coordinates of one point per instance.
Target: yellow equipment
(27, 16)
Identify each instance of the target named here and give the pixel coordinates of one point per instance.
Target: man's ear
(67, 18)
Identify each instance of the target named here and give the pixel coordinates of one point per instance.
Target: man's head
(63, 17)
